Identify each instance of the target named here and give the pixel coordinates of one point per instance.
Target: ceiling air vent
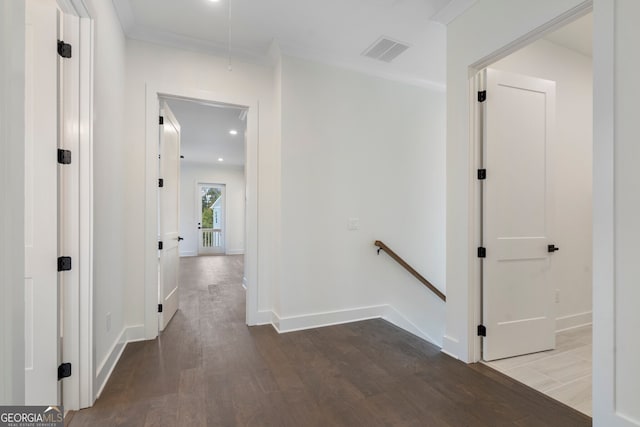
(385, 49)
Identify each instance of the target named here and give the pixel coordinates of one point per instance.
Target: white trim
(452, 10)
(451, 346)
(392, 315)
(78, 346)
(151, 177)
(105, 369)
(573, 321)
(134, 333)
(69, 206)
(108, 364)
(235, 252)
(188, 254)
(266, 317)
(474, 297)
(85, 263)
(339, 317)
(448, 353)
(604, 215)
(328, 318)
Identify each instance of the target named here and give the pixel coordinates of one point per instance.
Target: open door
(41, 207)
(211, 218)
(168, 216)
(518, 296)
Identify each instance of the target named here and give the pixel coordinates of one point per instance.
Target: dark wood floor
(209, 368)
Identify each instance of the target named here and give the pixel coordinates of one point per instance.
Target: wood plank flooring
(209, 369)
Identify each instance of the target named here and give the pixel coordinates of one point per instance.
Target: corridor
(209, 369)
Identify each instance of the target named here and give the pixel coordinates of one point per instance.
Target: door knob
(552, 248)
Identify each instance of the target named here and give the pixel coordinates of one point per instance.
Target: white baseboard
(188, 253)
(574, 321)
(108, 364)
(330, 318)
(263, 317)
(451, 346)
(235, 252)
(392, 315)
(105, 368)
(135, 333)
(319, 320)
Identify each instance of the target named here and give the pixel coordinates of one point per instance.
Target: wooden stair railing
(382, 247)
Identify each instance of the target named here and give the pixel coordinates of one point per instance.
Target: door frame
(223, 195)
(79, 389)
(153, 93)
(476, 83)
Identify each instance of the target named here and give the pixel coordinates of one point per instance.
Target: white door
(518, 296)
(210, 201)
(169, 220)
(41, 205)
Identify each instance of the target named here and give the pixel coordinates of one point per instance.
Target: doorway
(203, 159)
(541, 276)
(211, 207)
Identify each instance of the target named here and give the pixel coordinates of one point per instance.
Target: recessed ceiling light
(220, 159)
(233, 132)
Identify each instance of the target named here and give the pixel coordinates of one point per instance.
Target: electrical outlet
(557, 296)
(108, 322)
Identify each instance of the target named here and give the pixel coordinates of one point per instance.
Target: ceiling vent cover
(385, 49)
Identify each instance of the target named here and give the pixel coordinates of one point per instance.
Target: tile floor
(563, 373)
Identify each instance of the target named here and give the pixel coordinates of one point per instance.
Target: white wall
(572, 161)
(616, 205)
(110, 210)
(164, 67)
(355, 146)
(468, 42)
(233, 178)
(12, 121)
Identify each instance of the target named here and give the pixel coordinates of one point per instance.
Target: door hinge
(482, 174)
(159, 308)
(482, 95)
(64, 371)
(64, 263)
(482, 331)
(160, 245)
(161, 183)
(161, 121)
(64, 156)
(64, 49)
(482, 252)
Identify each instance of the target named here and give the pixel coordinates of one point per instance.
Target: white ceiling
(577, 36)
(204, 132)
(330, 31)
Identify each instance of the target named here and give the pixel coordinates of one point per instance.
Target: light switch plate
(353, 224)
